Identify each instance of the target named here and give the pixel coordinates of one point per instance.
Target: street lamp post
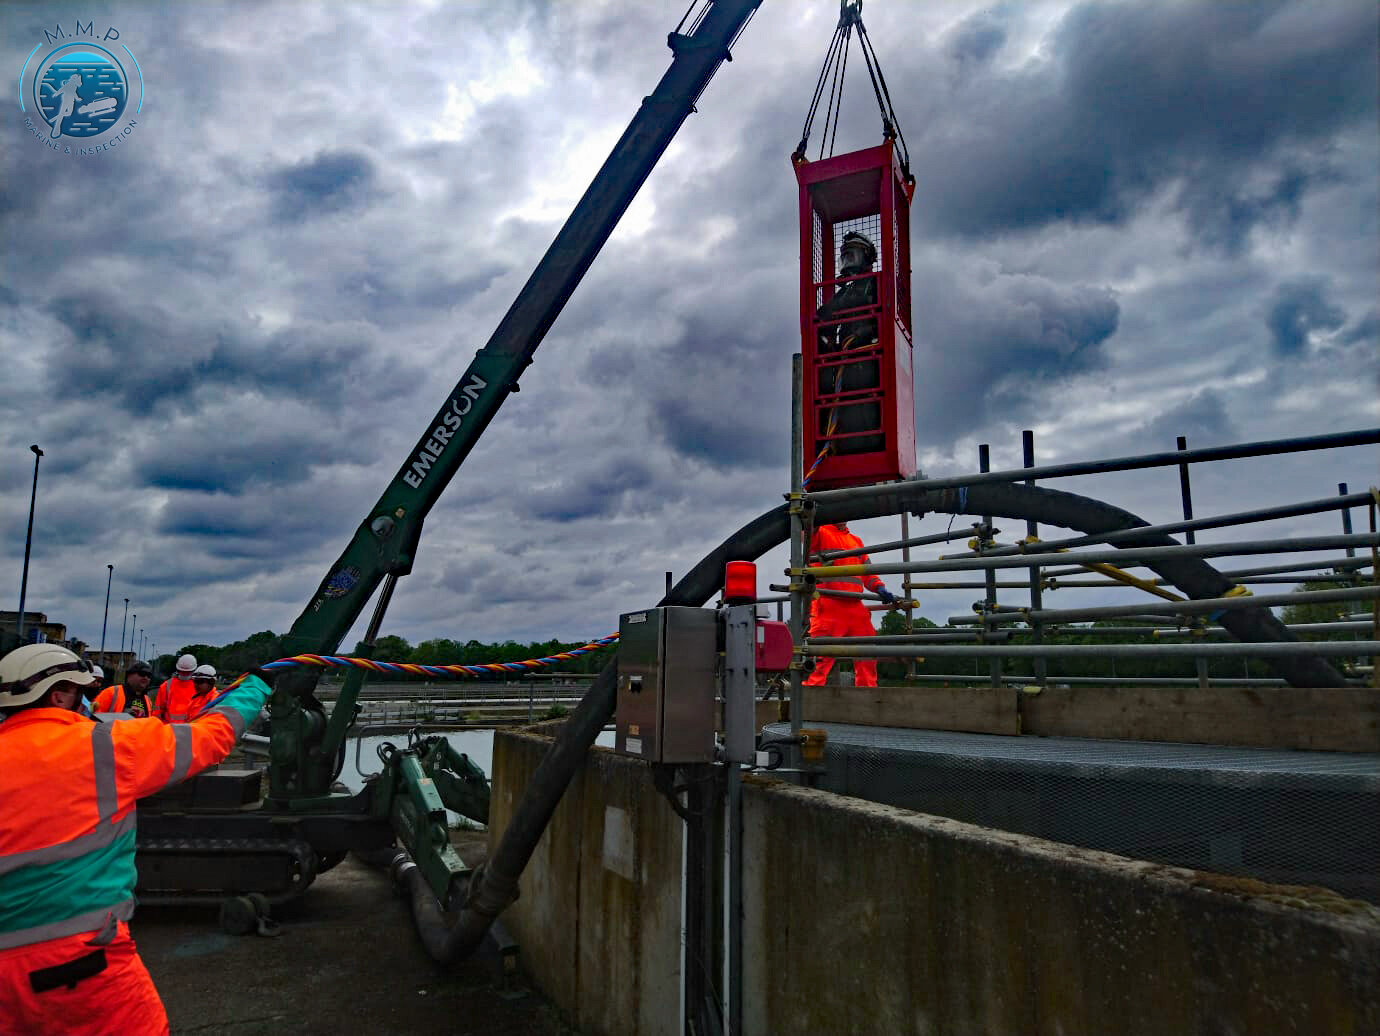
(122, 641)
(28, 541)
(110, 574)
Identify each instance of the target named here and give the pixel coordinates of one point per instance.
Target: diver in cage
(856, 256)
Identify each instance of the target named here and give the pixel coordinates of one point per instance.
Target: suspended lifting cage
(858, 393)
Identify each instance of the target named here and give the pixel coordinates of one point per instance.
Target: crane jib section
(452, 417)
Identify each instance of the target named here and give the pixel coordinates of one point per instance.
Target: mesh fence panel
(1305, 818)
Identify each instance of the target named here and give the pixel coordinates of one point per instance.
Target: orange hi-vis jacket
(831, 537)
(116, 699)
(838, 616)
(178, 701)
(68, 788)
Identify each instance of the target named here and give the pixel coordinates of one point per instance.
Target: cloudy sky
(1133, 221)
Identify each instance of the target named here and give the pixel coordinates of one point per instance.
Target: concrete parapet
(906, 923)
(598, 920)
(864, 918)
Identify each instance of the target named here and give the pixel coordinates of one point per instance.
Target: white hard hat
(30, 672)
(204, 672)
(98, 672)
(186, 664)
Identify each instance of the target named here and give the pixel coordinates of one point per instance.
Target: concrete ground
(348, 960)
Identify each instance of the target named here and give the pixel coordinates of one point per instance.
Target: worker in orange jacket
(177, 687)
(183, 704)
(132, 696)
(68, 789)
(840, 616)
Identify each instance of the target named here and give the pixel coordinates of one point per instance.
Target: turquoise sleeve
(246, 699)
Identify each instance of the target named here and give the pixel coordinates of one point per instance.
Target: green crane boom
(306, 745)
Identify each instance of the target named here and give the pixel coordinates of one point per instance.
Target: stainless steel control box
(667, 658)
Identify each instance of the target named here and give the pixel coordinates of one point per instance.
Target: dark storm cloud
(697, 428)
(239, 527)
(977, 38)
(1365, 331)
(1202, 419)
(149, 357)
(1229, 106)
(326, 184)
(610, 490)
(993, 342)
(241, 456)
(1298, 308)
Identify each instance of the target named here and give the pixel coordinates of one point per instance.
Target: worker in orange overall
(840, 616)
(132, 696)
(185, 699)
(177, 687)
(68, 788)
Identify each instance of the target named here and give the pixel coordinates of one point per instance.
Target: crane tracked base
(182, 870)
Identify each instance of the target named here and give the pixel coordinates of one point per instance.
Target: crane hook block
(855, 319)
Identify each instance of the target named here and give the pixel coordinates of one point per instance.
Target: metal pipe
(1360, 437)
(1185, 490)
(1186, 493)
(1198, 607)
(1341, 564)
(1144, 681)
(990, 577)
(1032, 531)
(1090, 584)
(1346, 518)
(1372, 508)
(904, 543)
(938, 635)
(1166, 631)
(1126, 557)
(965, 585)
(1297, 627)
(868, 647)
(799, 600)
(1263, 514)
(968, 620)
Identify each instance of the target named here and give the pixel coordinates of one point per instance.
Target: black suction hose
(495, 884)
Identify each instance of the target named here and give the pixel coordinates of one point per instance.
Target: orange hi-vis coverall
(838, 616)
(179, 702)
(117, 699)
(68, 789)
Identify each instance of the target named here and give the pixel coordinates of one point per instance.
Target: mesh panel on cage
(817, 231)
(1303, 818)
(868, 226)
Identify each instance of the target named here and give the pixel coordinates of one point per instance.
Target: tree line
(267, 646)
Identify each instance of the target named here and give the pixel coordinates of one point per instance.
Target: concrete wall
(903, 922)
(863, 918)
(598, 919)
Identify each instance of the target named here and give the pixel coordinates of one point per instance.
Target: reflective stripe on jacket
(68, 788)
(831, 537)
